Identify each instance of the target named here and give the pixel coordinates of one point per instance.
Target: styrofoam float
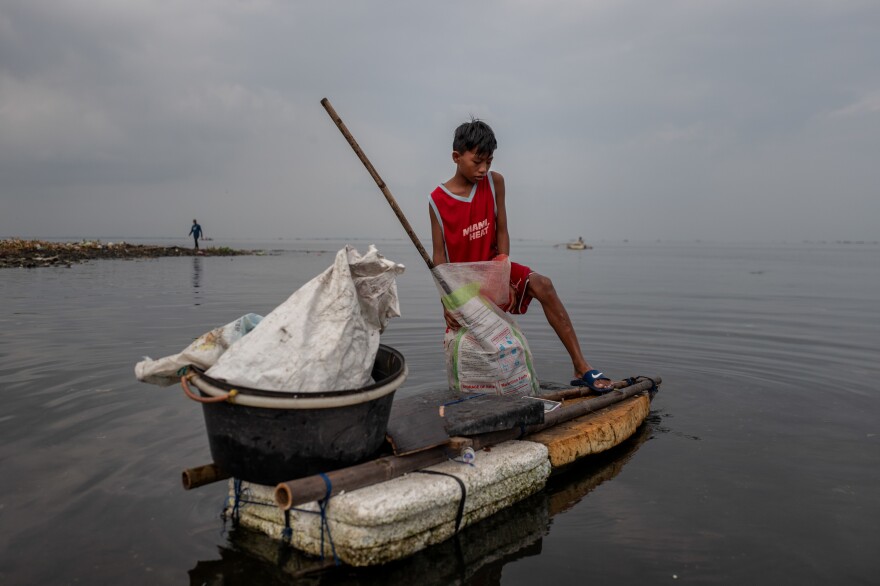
(394, 519)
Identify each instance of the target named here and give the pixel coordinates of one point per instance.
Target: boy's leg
(542, 289)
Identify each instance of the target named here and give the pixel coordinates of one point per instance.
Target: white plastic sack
(489, 352)
(325, 336)
(203, 352)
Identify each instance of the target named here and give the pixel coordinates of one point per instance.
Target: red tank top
(468, 223)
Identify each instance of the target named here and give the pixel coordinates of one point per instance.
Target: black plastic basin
(269, 437)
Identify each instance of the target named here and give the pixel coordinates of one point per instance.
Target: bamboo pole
(202, 475)
(311, 488)
(576, 392)
(304, 490)
(375, 175)
(590, 405)
(565, 413)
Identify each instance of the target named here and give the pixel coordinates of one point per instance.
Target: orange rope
(184, 382)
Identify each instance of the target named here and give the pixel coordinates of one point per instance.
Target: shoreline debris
(19, 253)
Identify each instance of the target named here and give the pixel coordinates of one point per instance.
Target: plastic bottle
(468, 456)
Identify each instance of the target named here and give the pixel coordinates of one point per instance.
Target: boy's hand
(450, 320)
(511, 300)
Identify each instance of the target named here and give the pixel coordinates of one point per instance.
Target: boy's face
(472, 166)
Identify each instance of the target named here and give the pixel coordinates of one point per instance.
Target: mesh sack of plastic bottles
(488, 353)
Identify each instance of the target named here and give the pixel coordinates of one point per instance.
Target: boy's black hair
(474, 135)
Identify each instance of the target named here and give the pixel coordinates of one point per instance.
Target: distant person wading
(196, 232)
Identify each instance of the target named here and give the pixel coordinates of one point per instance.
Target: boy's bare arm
(502, 237)
(439, 254)
(438, 249)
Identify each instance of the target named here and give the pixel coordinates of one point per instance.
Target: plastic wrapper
(203, 352)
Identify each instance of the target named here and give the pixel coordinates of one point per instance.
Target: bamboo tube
(202, 475)
(311, 488)
(304, 490)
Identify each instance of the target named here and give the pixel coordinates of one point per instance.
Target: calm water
(760, 462)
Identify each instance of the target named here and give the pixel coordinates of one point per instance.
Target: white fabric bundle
(325, 336)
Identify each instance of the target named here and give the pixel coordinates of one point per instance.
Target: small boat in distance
(578, 244)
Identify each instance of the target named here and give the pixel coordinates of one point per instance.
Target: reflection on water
(197, 279)
(476, 555)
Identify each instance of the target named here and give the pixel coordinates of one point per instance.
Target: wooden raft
(584, 425)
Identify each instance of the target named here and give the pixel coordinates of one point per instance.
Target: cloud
(865, 105)
(654, 115)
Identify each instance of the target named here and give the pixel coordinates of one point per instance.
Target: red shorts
(519, 282)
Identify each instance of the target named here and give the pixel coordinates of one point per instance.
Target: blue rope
(239, 499)
(236, 504)
(323, 504)
(287, 532)
(328, 484)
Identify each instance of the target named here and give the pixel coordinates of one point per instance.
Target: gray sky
(740, 120)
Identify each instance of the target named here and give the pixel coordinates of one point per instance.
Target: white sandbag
(489, 353)
(203, 352)
(325, 336)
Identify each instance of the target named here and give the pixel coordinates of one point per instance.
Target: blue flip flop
(589, 380)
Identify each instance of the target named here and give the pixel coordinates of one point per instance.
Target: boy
(469, 224)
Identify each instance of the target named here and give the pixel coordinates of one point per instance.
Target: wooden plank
(415, 423)
(415, 426)
(488, 413)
